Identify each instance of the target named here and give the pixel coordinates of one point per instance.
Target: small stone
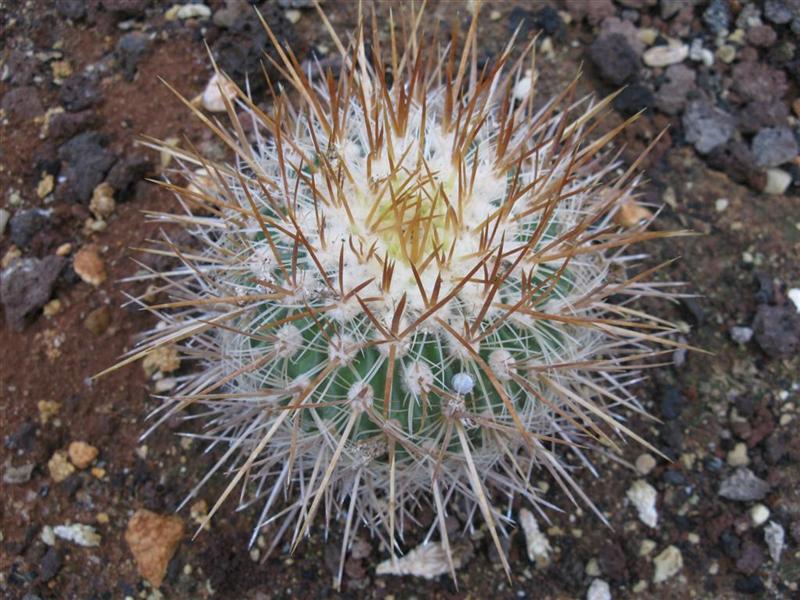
(667, 564)
(615, 60)
(643, 496)
(83, 535)
(721, 204)
(130, 49)
(777, 183)
(52, 308)
(672, 96)
(60, 468)
(49, 565)
(293, 16)
(775, 536)
(726, 53)
(47, 536)
(164, 359)
(17, 475)
(717, 16)
(89, 266)
(645, 463)
(102, 203)
(25, 224)
(87, 159)
(536, 542)
(646, 547)
(80, 92)
(153, 540)
(743, 486)
(22, 103)
(187, 11)
(663, 56)
(707, 126)
(759, 514)
(45, 186)
(48, 409)
(82, 454)
(61, 69)
(754, 80)
(26, 285)
(738, 456)
(778, 11)
(212, 97)
(751, 559)
(426, 560)
(762, 36)
(598, 590)
(98, 320)
(741, 335)
(777, 330)
(64, 249)
(773, 146)
(592, 568)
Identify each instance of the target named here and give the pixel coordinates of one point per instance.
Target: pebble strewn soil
(88, 508)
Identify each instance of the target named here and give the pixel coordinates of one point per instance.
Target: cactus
(405, 294)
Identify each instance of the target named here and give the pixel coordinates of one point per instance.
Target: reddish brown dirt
(54, 359)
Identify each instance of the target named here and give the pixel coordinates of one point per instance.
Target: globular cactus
(406, 294)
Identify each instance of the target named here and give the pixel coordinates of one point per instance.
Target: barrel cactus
(405, 294)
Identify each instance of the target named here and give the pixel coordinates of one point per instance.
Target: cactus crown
(399, 295)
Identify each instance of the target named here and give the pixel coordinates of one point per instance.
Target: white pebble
(759, 514)
(663, 56)
(645, 463)
(721, 204)
(794, 296)
(523, 88)
(536, 542)
(599, 590)
(775, 537)
(738, 456)
(83, 535)
(643, 496)
(778, 181)
(212, 96)
(668, 564)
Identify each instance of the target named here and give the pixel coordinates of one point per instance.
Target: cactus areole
(400, 295)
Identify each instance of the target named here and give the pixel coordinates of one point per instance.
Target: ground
(742, 387)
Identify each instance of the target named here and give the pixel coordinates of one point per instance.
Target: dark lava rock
(762, 36)
(777, 330)
(773, 146)
(131, 47)
(743, 486)
(633, 99)
(612, 562)
(750, 585)
(50, 565)
(22, 103)
(20, 67)
(25, 224)
(751, 559)
(79, 92)
(127, 172)
(240, 50)
(717, 16)
(27, 285)
(671, 403)
(126, 8)
(672, 95)
(71, 9)
(777, 446)
(756, 81)
(616, 61)
(759, 114)
(65, 125)
(736, 160)
(545, 19)
(707, 126)
(730, 543)
(87, 161)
